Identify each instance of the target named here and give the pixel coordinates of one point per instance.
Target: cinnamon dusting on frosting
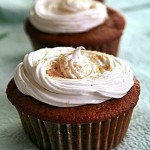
(79, 64)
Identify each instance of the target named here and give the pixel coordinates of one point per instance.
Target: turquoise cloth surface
(134, 48)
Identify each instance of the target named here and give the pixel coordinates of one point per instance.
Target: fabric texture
(134, 48)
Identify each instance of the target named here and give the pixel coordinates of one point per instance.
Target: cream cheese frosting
(67, 16)
(68, 77)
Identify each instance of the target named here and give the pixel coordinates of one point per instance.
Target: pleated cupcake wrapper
(103, 135)
(109, 48)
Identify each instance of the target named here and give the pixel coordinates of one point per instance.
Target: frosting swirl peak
(77, 5)
(68, 77)
(80, 64)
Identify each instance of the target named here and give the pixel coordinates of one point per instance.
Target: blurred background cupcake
(75, 23)
(72, 99)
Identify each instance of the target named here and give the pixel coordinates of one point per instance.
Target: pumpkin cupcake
(72, 98)
(75, 23)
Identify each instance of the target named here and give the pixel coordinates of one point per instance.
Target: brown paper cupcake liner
(109, 48)
(102, 135)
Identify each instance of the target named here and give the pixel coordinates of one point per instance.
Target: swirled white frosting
(68, 77)
(67, 16)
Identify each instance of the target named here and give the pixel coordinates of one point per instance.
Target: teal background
(134, 48)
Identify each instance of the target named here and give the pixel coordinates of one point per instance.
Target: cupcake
(75, 23)
(72, 99)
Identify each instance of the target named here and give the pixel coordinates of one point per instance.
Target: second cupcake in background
(74, 23)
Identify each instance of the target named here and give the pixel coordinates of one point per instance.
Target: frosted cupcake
(75, 23)
(70, 98)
